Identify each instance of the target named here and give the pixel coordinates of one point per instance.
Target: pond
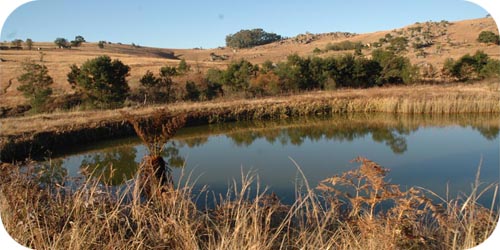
(430, 151)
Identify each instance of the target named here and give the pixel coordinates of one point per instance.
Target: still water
(420, 150)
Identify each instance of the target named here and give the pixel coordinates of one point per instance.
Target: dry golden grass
(453, 98)
(460, 39)
(44, 214)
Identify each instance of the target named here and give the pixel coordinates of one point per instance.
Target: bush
(102, 81)
(345, 45)
(192, 91)
(183, 67)
(35, 82)
(250, 38)
(395, 69)
(158, 89)
(238, 74)
(62, 43)
(475, 67)
(488, 37)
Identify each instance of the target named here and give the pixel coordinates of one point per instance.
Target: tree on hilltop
(62, 43)
(250, 38)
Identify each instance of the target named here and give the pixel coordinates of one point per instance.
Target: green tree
(62, 43)
(192, 91)
(78, 41)
(166, 82)
(29, 43)
(488, 37)
(183, 67)
(35, 85)
(250, 38)
(238, 74)
(472, 67)
(151, 89)
(17, 43)
(395, 69)
(491, 69)
(100, 44)
(102, 81)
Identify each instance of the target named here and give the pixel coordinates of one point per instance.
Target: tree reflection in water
(118, 164)
(113, 165)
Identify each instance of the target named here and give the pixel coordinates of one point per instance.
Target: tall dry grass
(356, 210)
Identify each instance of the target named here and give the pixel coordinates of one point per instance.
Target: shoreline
(33, 136)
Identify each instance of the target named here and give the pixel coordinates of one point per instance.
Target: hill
(430, 43)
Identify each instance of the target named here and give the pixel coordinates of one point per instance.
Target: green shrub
(35, 85)
(102, 80)
(488, 37)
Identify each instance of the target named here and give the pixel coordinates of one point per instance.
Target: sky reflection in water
(426, 151)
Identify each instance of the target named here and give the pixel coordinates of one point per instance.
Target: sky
(205, 24)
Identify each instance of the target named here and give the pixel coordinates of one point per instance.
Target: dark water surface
(420, 150)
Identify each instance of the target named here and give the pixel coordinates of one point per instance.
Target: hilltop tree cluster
(250, 38)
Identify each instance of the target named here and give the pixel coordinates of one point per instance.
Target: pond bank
(39, 135)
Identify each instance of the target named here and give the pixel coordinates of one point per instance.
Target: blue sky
(189, 23)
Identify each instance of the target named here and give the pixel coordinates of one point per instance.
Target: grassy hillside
(445, 40)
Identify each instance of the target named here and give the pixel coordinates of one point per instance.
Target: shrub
(345, 45)
(35, 82)
(102, 80)
(183, 67)
(158, 89)
(192, 91)
(475, 67)
(488, 37)
(395, 69)
(237, 75)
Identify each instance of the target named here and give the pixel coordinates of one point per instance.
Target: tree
(166, 82)
(237, 75)
(102, 81)
(78, 41)
(17, 43)
(488, 37)
(183, 67)
(62, 43)
(192, 91)
(35, 82)
(29, 43)
(395, 69)
(250, 38)
(101, 44)
(469, 67)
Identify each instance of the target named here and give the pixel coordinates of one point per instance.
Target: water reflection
(113, 165)
(117, 161)
(117, 164)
